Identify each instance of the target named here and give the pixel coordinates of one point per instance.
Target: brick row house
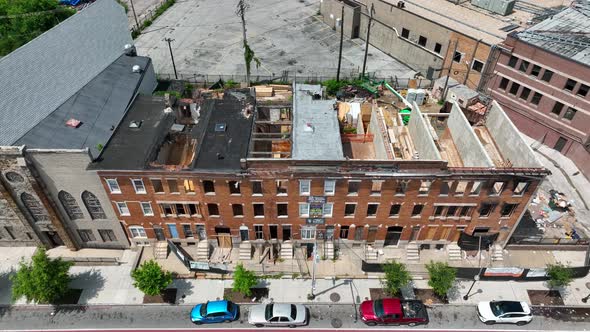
(238, 169)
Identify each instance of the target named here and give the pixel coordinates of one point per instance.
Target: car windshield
(203, 311)
(268, 311)
(230, 306)
(378, 308)
(500, 308)
(293, 311)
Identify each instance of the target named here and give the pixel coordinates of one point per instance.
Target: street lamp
(316, 258)
(475, 279)
(585, 299)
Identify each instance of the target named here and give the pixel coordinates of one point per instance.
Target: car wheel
(197, 323)
(292, 326)
(227, 321)
(371, 323)
(521, 323)
(490, 322)
(411, 324)
(259, 325)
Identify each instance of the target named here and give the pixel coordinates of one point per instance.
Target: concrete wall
(468, 145)
(149, 82)
(508, 139)
(421, 137)
(332, 10)
(66, 170)
(378, 142)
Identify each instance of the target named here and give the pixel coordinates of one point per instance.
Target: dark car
(392, 311)
(214, 312)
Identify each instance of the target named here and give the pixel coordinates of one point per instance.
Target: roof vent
(135, 124)
(73, 123)
(129, 50)
(177, 127)
(136, 69)
(308, 128)
(220, 127)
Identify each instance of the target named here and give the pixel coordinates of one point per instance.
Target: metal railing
(522, 240)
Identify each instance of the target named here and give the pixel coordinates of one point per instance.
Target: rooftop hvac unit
(502, 7)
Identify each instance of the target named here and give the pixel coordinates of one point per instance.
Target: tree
(559, 275)
(442, 277)
(244, 280)
(150, 278)
(23, 20)
(396, 277)
(44, 280)
(249, 55)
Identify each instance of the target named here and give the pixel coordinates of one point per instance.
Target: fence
(527, 240)
(148, 15)
(205, 80)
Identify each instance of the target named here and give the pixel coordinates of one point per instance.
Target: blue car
(214, 312)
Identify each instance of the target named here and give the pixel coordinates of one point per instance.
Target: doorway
(201, 232)
(223, 236)
(394, 233)
(273, 230)
(372, 234)
(415, 233)
(286, 232)
(329, 233)
(308, 250)
(560, 144)
(244, 236)
(173, 231)
(358, 233)
(159, 233)
(54, 238)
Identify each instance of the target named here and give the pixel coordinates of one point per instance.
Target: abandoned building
(293, 169)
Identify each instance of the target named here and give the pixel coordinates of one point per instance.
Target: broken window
(465, 211)
(282, 187)
(424, 187)
(376, 187)
(157, 185)
(208, 187)
(258, 209)
(417, 210)
(194, 209)
(445, 188)
(486, 209)
(507, 209)
(258, 232)
(180, 210)
(282, 210)
(256, 187)
(520, 188)
(394, 210)
(401, 187)
(451, 211)
(496, 188)
(438, 210)
(353, 187)
(349, 209)
(238, 210)
(173, 186)
(213, 209)
(476, 188)
(461, 187)
(372, 209)
(234, 187)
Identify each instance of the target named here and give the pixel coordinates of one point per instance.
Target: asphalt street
(447, 317)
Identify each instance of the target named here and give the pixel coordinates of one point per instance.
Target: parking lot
(286, 35)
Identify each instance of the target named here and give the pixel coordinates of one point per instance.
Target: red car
(393, 312)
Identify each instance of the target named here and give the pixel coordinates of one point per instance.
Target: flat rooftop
(316, 131)
(99, 106)
(478, 22)
(566, 33)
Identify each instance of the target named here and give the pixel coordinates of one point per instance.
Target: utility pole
(472, 61)
(168, 40)
(444, 96)
(367, 40)
(134, 15)
(315, 259)
(341, 39)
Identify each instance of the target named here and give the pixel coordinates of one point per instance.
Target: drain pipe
(472, 59)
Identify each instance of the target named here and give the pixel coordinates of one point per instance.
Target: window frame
(422, 41)
(140, 231)
(111, 187)
(570, 113)
(119, 208)
(535, 100)
(473, 65)
(135, 186)
(332, 186)
(255, 206)
(302, 185)
(398, 209)
(419, 214)
(405, 33)
(437, 46)
(241, 207)
(154, 187)
(331, 210)
(567, 85)
(374, 214)
(513, 61)
(547, 75)
(305, 210)
(149, 204)
(350, 215)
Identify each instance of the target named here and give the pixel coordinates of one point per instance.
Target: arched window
(93, 205)
(14, 177)
(34, 207)
(70, 205)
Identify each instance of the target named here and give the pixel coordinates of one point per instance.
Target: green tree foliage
(442, 277)
(559, 275)
(244, 280)
(44, 280)
(150, 278)
(396, 277)
(249, 55)
(23, 20)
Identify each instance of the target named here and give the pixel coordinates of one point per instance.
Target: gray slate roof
(43, 74)
(565, 34)
(316, 131)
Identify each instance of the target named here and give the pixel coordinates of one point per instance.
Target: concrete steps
(454, 252)
(245, 251)
(161, 250)
(203, 251)
(329, 250)
(371, 254)
(412, 252)
(497, 253)
(286, 250)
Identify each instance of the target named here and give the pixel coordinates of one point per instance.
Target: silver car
(278, 314)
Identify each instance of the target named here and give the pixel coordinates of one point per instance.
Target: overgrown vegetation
(396, 277)
(172, 93)
(244, 280)
(24, 20)
(249, 55)
(442, 277)
(124, 5)
(230, 84)
(559, 275)
(333, 86)
(150, 278)
(43, 281)
(159, 11)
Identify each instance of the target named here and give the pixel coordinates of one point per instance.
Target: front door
(560, 144)
(159, 234)
(244, 234)
(372, 235)
(54, 238)
(273, 229)
(223, 236)
(394, 233)
(415, 233)
(329, 233)
(358, 233)
(173, 231)
(286, 232)
(201, 232)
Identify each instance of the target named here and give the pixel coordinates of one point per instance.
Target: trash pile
(555, 211)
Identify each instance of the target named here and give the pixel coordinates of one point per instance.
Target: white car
(278, 314)
(512, 312)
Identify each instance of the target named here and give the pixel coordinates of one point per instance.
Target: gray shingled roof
(43, 74)
(566, 34)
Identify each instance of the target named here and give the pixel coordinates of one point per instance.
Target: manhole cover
(335, 297)
(336, 323)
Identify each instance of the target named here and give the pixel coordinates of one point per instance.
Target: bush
(333, 86)
(244, 280)
(442, 277)
(172, 93)
(44, 280)
(230, 84)
(151, 279)
(396, 277)
(559, 275)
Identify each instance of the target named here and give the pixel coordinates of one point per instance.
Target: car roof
(392, 306)
(281, 309)
(511, 306)
(217, 306)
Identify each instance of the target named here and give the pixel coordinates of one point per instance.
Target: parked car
(278, 314)
(512, 312)
(214, 312)
(392, 311)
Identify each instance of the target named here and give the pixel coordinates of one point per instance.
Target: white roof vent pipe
(130, 50)
(136, 69)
